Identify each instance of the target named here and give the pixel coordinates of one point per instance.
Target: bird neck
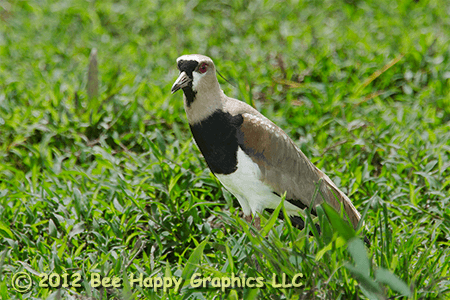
(203, 105)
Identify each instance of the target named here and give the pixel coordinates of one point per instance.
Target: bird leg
(256, 221)
(248, 219)
(257, 225)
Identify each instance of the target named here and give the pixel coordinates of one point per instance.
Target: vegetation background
(111, 182)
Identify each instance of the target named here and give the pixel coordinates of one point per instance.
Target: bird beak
(182, 81)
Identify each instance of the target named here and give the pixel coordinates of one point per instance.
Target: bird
(254, 159)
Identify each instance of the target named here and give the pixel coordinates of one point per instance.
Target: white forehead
(195, 57)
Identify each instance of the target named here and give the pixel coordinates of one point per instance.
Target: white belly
(246, 185)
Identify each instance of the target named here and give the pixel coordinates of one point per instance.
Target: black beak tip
(174, 89)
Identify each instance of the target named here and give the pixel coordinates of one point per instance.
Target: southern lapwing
(251, 156)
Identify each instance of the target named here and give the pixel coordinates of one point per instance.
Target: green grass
(114, 184)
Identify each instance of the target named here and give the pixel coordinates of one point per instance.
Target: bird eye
(203, 68)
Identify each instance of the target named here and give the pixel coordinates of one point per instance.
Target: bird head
(196, 71)
(199, 83)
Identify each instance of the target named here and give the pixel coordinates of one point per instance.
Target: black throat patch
(190, 94)
(217, 140)
(189, 67)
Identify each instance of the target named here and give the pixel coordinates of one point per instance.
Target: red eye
(203, 68)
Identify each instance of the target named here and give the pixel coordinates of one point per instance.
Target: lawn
(103, 192)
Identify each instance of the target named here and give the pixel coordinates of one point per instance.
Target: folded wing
(285, 168)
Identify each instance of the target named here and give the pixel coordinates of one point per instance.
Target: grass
(114, 184)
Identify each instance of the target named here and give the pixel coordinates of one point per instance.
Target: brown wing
(285, 168)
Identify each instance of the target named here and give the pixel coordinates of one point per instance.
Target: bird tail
(335, 197)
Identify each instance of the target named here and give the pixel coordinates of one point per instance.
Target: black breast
(216, 138)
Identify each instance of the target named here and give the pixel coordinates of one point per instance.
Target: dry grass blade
(92, 83)
(377, 74)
